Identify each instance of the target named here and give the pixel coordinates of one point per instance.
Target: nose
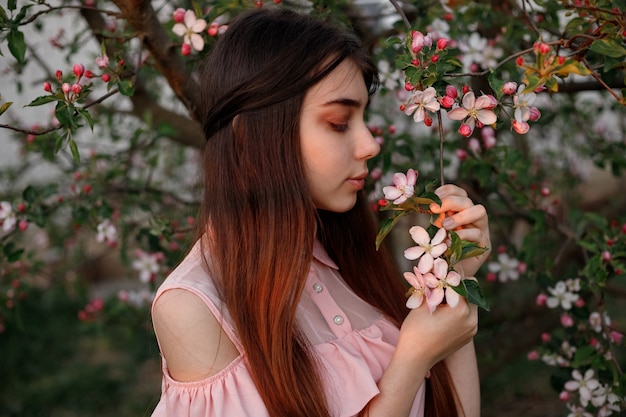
(366, 147)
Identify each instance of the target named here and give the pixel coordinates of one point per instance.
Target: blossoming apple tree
(522, 102)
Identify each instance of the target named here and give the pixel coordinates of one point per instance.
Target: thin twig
(441, 140)
(401, 13)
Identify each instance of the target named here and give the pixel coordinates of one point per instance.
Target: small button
(338, 320)
(318, 287)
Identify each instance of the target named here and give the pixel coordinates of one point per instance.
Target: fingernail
(447, 223)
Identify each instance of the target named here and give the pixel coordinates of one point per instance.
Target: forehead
(345, 81)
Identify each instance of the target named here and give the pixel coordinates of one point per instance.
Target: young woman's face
(335, 141)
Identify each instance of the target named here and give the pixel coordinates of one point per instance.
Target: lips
(358, 182)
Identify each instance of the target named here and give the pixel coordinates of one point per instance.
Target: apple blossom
(102, 61)
(440, 281)
(147, 264)
(79, 70)
(419, 289)
(107, 232)
(7, 216)
(520, 127)
(189, 29)
(427, 249)
(584, 384)
(474, 110)
(421, 101)
(451, 91)
(521, 104)
(403, 187)
(561, 296)
(505, 267)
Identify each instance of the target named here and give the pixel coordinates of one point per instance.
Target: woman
(284, 307)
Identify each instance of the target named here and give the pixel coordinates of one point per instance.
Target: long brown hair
(258, 209)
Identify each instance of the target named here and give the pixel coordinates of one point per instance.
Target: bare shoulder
(192, 340)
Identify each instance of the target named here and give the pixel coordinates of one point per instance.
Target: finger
(452, 203)
(474, 215)
(450, 189)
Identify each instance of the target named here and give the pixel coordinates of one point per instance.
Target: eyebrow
(349, 102)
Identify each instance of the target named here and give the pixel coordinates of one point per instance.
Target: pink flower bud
(417, 41)
(606, 256)
(447, 102)
(545, 191)
(89, 74)
(59, 75)
(98, 303)
(519, 61)
(474, 145)
(564, 396)
(535, 114)
(520, 127)
(462, 155)
(442, 43)
(541, 299)
(179, 15)
(466, 131)
(428, 121)
(409, 87)
(521, 267)
(47, 87)
(106, 78)
(434, 58)
(213, 29)
(489, 142)
(509, 88)
(451, 91)
(23, 225)
(66, 88)
(545, 337)
(533, 355)
(79, 70)
(415, 62)
(542, 48)
(76, 88)
(616, 337)
(185, 49)
(492, 276)
(566, 320)
(465, 89)
(580, 303)
(376, 174)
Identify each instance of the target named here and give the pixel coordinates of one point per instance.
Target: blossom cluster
(433, 279)
(467, 106)
(190, 27)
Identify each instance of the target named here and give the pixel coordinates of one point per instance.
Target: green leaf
(5, 106)
(11, 4)
(64, 113)
(386, 225)
(608, 47)
(17, 46)
(126, 87)
(470, 289)
(456, 248)
(41, 100)
(87, 116)
(74, 150)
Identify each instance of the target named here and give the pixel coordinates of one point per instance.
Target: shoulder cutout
(191, 338)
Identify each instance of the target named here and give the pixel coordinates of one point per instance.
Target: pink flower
(419, 41)
(509, 88)
(179, 15)
(442, 43)
(403, 187)
(451, 91)
(447, 102)
(440, 281)
(541, 299)
(189, 29)
(520, 127)
(102, 61)
(427, 249)
(79, 70)
(522, 103)
(7, 216)
(566, 320)
(533, 355)
(420, 102)
(475, 110)
(419, 290)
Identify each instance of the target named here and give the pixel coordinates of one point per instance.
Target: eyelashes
(338, 127)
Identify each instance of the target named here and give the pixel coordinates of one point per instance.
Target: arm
(191, 338)
(463, 368)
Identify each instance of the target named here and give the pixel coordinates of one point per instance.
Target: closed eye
(338, 127)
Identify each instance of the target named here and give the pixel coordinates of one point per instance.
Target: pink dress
(353, 341)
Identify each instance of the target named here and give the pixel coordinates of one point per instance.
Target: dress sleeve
(229, 393)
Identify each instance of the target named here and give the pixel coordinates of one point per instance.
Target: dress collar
(320, 254)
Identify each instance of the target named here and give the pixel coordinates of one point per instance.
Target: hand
(426, 339)
(457, 212)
